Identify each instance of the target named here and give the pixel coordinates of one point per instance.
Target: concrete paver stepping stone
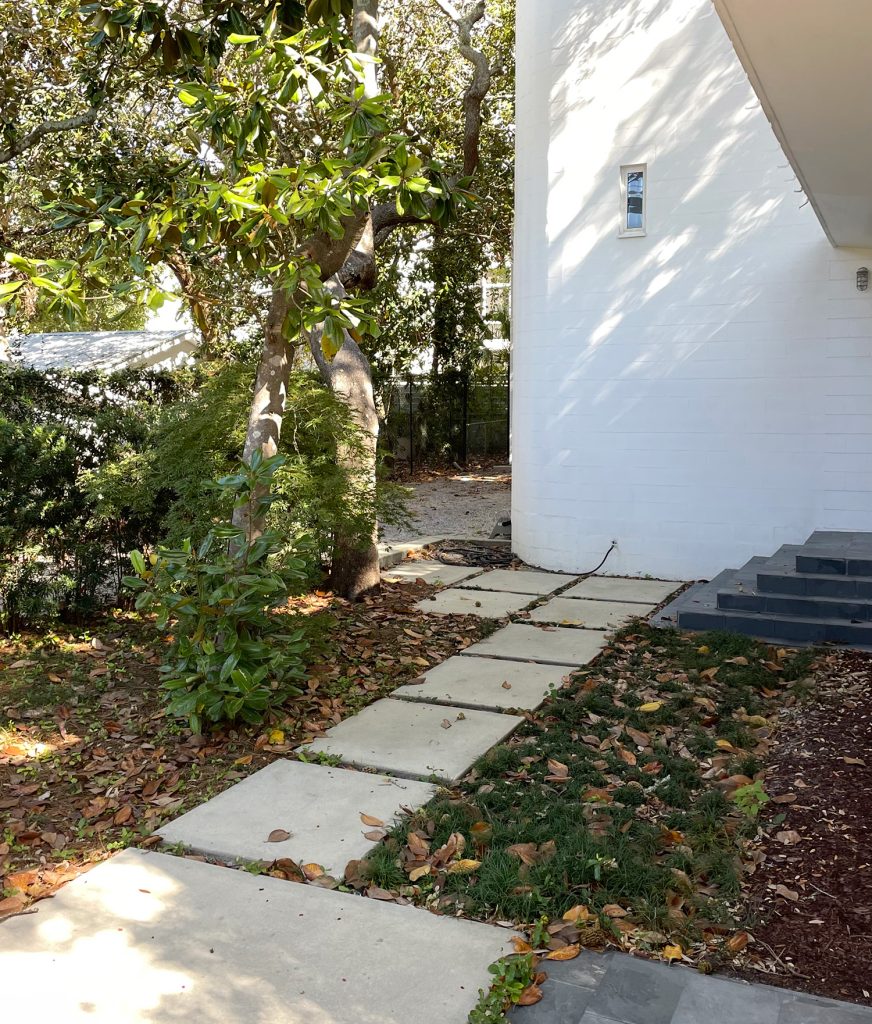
(589, 614)
(318, 805)
(552, 646)
(146, 938)
(430, 572)
(520, 581)
(622, 588)
(485, 603)
(412, 739)
(480, 682)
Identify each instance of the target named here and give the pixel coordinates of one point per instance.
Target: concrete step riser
(802, 607)
(796, 630)
(811, 586)
(821, 565)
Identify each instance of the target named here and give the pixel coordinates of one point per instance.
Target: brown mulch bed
(89, 762)
(812, 894)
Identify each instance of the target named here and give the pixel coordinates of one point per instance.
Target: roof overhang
(811, 66)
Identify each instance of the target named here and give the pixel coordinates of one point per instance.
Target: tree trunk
(355, 565)
(267, 403)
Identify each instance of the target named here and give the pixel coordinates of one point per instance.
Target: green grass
(662, 844)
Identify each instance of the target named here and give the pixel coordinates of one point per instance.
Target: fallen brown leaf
(564, 953)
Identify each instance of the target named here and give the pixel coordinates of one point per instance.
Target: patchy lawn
(626, 810)
(89, 763)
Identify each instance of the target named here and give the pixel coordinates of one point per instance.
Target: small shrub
(230, 659)
(512, 976)
(751, 799)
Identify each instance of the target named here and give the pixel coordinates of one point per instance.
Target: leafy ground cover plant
(229, 657)
(615, 803)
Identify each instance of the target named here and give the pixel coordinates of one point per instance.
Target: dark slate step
(822, 564)
(801, 606)
(836, 553)
(804, 584)
(781, 628)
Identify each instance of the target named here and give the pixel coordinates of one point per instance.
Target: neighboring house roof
(104, 350)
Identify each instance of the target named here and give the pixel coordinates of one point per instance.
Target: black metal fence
(448, 417)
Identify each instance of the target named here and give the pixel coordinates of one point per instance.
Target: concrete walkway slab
(520, 581)
(552, 646)
(622, 588)
(576, 611)
(319, 806)
(432, 572)
(416, 740)
(486, 683)
(485, 603)
(150, 939)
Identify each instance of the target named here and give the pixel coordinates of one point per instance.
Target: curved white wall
(702, 394)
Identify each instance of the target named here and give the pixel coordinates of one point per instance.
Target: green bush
(58, 551)
(93, 465)
(201, 438)
(229, 657)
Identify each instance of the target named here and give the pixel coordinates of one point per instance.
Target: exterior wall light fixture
(862, 279)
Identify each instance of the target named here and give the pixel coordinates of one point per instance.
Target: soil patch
(812, 893)
(463, 503)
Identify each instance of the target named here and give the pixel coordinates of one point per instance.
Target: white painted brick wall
(703, 394)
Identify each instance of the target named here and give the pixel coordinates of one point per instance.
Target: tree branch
(477, 88)
(68, 124)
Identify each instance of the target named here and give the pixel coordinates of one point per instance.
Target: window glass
(635, 200)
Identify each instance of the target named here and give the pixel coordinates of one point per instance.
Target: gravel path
(464, 505)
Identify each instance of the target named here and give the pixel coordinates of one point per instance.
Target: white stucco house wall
(693, 380)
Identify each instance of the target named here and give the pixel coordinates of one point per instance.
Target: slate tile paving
(615, 988)
(637, 992)
(799, 1009)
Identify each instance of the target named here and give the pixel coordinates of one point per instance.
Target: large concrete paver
(430, 572)
(481, 682)
(589, 614)
(416, 740)
(487, 604)
(621, 588)
(520, 581)
(150, 939)
(319, 806)
(552, 646)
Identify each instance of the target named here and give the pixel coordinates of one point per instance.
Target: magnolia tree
(251, 141)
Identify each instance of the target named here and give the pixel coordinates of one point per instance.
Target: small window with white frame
(634, 200)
